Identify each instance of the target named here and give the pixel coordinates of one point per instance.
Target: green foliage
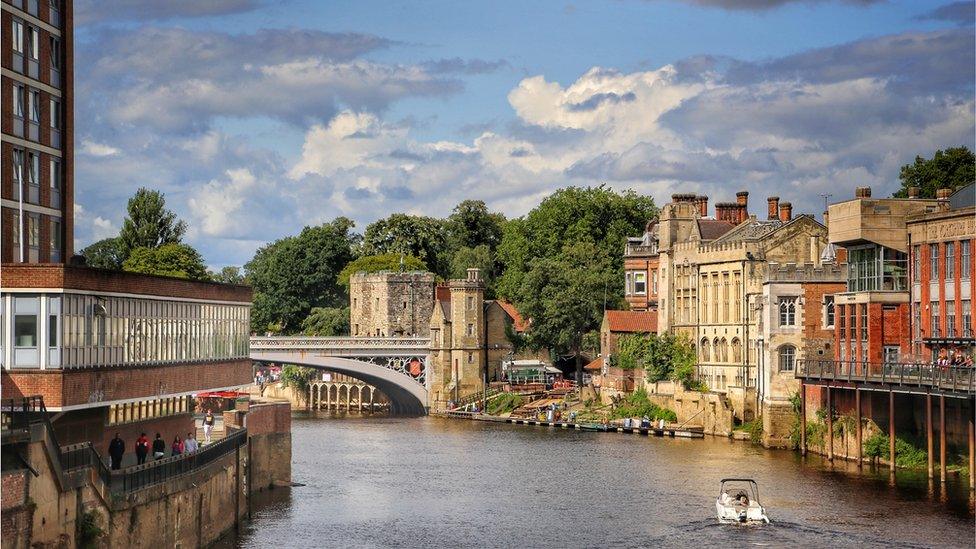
(177, 260)
(481, 257)
(149, 224)
(558, 260)
(907, 455)
(504, 403)
(638, 405)
(471, 225)
(419, 236)
(377, 263)
(591, 343)
(229, 275)
(664, 356)
(326, 321)
(292, 275)
(87, 530)
(104, 254)
(754, 428)
(952, 168)
(297, 378)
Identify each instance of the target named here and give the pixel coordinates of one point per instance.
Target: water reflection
(381, 481)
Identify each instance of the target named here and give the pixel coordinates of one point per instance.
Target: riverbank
(666, 431)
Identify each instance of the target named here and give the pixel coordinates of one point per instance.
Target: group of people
(955, 358)
(143, 446)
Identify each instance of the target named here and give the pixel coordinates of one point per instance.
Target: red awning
(220, 394)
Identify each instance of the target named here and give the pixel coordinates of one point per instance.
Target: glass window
(55, 114)
(950, 261)
(18, 166)
(934, 262)
(864, 322)
(787, 311)
(18, 100)
(640, 283)
(34, 171)
(55, 53)
(33, 232)
(964, 261)
(34, 102)
(18, 36)
(33, 44)
(55, 240)
(967, 318)
(916, 253)
(629, 286)
(829, 311)
(52, 331)
(470, 303)
(470, 329)
(654, 282)
(787, 358)
(950, 319)
(891, 354)
(934, 313)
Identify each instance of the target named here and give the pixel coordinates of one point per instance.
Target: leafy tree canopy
(952, 168)
(664, 356)
(481, 257)
(104, 254)
(292, 275)
(326, 321)
(177, 260)
(377, 263)
(419, 236)
(229, 275)
(149, 224)
(472, 225)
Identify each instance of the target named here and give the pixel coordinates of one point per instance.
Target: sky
(259, 117)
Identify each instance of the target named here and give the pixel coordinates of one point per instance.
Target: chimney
(773, 202)
(702, 201)
(862, 192)
(474, 274)
(913, 192)
(742, 213)
(943, 194)
(742, 199)
(785, 211)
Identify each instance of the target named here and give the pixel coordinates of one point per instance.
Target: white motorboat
(738, 502)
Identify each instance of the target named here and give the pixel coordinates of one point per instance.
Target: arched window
(736, 350)
(725, 350)
(787, 311)
(717, 350)
(787, 358)
(705, 350)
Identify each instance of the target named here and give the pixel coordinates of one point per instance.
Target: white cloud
(91, 228)
(97, 149)
(217, 207)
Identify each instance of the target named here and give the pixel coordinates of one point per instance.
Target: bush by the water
(504, 403)
(907, 455)
(638, 405)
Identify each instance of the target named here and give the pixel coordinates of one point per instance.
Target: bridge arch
(407, 397)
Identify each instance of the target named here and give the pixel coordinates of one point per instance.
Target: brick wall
(15, 520)
(74, 387)
(268, 417)
(100, 280)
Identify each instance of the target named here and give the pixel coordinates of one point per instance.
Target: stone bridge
(397, 366)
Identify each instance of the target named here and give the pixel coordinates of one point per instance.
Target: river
(433, 482)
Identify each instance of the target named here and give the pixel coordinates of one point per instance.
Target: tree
(149, 224)
(229, 275)
(664, 356)
(377, 263)
(480, 257)
(177, 260)
(422, 237)
(561, 259)
(952, 168)
(326, 321)
(294, 274)
(104, 254)
(472, 225)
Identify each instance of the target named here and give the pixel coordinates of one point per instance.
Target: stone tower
(391, 304)
(467, 332)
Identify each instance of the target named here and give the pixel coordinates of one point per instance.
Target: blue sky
(257, 117)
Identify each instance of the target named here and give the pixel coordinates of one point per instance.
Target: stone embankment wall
(269, 431)
(710, 411)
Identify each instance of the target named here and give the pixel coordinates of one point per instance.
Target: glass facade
(876, 268)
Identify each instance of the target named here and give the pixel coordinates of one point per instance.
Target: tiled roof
(595, 365)
(632, 321)
(520, 324)
(710, 229)
(442, 293)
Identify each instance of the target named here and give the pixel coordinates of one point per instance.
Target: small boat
(593, 427)
(738, 502)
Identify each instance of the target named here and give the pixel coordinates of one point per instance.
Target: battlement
(806, 272)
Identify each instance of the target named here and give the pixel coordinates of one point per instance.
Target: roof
(520, 324)
(631, 321)
(596, 364)
(963, 198)
(710, 229)
(442, 293)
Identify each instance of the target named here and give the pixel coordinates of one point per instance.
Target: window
(829, 311)
(55, 53)
(891, 353)
(864, 322)
(787, 311)
(654, 282)
(34, 169)
(52, 330)
(35, 105)
(470, 301)
(787, 358)
(934, 314)
(55, 240)
(705, 351)
(470, 358)
(18, 99)
(967, 318)
(934, 261)
(18, 36)
(640, 283)
(950, 320)
(55, 172)
(33, 43)
(950, 261)
(629, 284)
(55, 114)
(18, 166)
(470, 329)
(25, 321)
(736, 350)
(916, 252)
(964, 261)
(33, 234)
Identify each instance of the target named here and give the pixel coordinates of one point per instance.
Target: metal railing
(82, 455)
(149, 474)
(314, 343)
(18, 413)
(951, 378)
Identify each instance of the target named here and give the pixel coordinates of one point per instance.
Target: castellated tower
(467, 332)
(391, 304)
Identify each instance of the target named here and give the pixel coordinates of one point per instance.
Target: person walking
(208, 424)
(116, 449)
(159, 447)
(190, 443)
(177, 446)
(142, 448)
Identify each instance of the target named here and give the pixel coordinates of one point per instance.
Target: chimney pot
(862, 192)
(943, 194)
(785, 211)
(702, 202)
(474, 274)
(773, 203)
(913, 192)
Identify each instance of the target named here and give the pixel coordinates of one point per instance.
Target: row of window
(721, 297)
(29, 250)
(26, 103)
(636, 283)
(26, 51)
(33, 7)
(952, 249)
(26, 167)
(874, 268)
(717, 350)
(935, 316)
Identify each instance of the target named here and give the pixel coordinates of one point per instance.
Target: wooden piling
(942, 438)
(857, 419)
(830, 426)
(929, 435)
(891, 428)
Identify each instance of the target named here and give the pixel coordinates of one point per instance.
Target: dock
(673, 432)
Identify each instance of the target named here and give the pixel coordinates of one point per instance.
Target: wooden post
(891, 428)
(929, 436)
(803, 419)
(972, 443)
(830, 427)
(237, 486)
(857, 419)
(942, 438)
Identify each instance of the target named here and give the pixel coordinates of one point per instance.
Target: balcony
(911, 377)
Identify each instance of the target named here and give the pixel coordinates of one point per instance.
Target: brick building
(943, 275)
(641, 262)
(36, 132)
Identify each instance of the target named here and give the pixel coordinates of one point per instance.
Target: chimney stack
(785, 211)
(913, 192)
(474, 274)
(862, 192)
(742, 199)
(773, 203)
(702, 201)
(943, 194)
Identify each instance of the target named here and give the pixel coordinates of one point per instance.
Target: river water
(433, 482)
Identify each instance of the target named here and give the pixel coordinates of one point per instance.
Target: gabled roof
(517, 321)
(710, 229)
(596, 364)
(750, 229)
(631, 321)
(442, 292)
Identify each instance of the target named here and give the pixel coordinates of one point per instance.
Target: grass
(638, 405)
(504, 403)
(754, 428)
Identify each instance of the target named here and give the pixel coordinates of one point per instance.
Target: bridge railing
(259, 343)
(950, 378)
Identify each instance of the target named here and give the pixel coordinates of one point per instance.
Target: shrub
(907, 455)
(638, 405)
(87, 530)
(504, 403)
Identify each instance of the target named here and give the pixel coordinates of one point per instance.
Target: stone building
(796, 321)
(390, 304)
